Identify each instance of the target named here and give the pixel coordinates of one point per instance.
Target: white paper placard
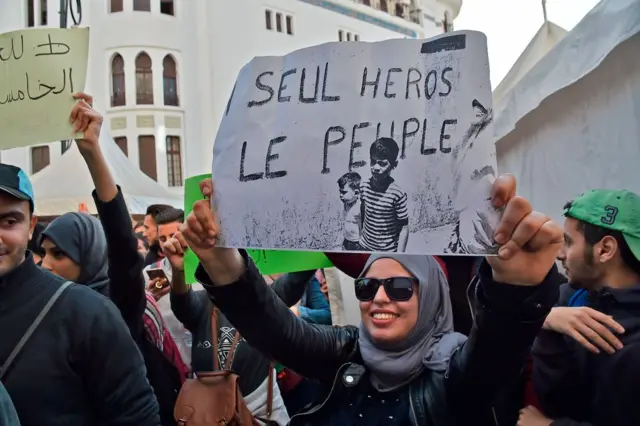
(411, 119)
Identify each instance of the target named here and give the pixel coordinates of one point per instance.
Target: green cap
(615, 210)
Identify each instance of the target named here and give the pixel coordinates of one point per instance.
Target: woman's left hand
(86, 120)
(529, 240)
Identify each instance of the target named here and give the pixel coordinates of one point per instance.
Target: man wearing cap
(587, 358)
(80, 365)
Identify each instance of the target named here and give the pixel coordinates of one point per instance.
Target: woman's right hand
(200, 230)
(590, 328)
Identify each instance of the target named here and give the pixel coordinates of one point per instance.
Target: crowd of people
(99, 326)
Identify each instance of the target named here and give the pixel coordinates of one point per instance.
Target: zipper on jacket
(318, 407)
(472, 283)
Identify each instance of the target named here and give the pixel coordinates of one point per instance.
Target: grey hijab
(431, 342)
(81, 237)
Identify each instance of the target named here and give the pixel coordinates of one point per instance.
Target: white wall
(210, 40)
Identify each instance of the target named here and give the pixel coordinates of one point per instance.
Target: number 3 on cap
(610, 217)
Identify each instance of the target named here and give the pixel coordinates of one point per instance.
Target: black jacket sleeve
(556, 374)
(189, 308)
(568, 422)
(126, 282)
(565, 392)
(290, 287)
(507, 319)
(112, 368)
(311, 350)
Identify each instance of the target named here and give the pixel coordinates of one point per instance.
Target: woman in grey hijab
(400, 339)
(75, 248)
(403, 365)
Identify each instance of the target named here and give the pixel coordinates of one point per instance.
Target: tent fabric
(606, 26)
(586, 134)
(545, 39)
(65, 184)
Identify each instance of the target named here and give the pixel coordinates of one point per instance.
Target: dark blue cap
(15, 182)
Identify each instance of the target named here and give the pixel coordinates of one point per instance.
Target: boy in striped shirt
(385, 216)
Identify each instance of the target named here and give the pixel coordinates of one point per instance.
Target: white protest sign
(41, 69)
(383, 146)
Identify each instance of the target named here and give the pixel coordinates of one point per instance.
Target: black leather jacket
(506, 323)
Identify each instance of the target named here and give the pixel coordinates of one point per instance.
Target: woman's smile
(383, 318)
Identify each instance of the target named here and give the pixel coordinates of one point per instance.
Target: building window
(31, 20)
(116, 6)
(144, 80)
(347, 36)
(118, 97)
(383, 6)
(142, 5)
(43, 12)
(366, 2)
(147, 154)
(399, 10)
(64, 146)
(268, 19)
(167, 7)
(289, 21)
(39, 158)
(279, 22)
(121, 141)
(170, 81)
(174, 161)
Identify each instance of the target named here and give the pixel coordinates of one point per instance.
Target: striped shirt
(384, 212)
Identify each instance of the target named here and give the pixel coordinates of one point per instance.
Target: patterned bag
(214, 398)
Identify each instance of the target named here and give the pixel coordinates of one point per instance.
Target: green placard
(267, 261)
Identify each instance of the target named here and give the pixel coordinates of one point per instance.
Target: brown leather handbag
(214, 398)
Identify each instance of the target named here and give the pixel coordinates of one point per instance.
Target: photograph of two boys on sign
(360, 147)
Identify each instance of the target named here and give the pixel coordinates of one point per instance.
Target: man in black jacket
(80, 366)
(587, 357)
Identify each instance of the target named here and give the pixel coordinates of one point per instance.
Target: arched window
(383, 6)
(170, 81)
(144, 80)
(118, 97)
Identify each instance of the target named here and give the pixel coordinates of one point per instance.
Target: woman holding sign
(404, 365)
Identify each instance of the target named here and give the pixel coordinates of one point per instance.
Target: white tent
(572, 123)
(65, 184)
(545, 39)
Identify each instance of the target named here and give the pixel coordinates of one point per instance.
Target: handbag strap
(270, 391)
(214, 341)
(32, 328)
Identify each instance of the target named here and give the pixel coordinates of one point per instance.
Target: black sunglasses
(399, 289)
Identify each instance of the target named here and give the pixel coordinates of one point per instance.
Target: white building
(162, 70)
